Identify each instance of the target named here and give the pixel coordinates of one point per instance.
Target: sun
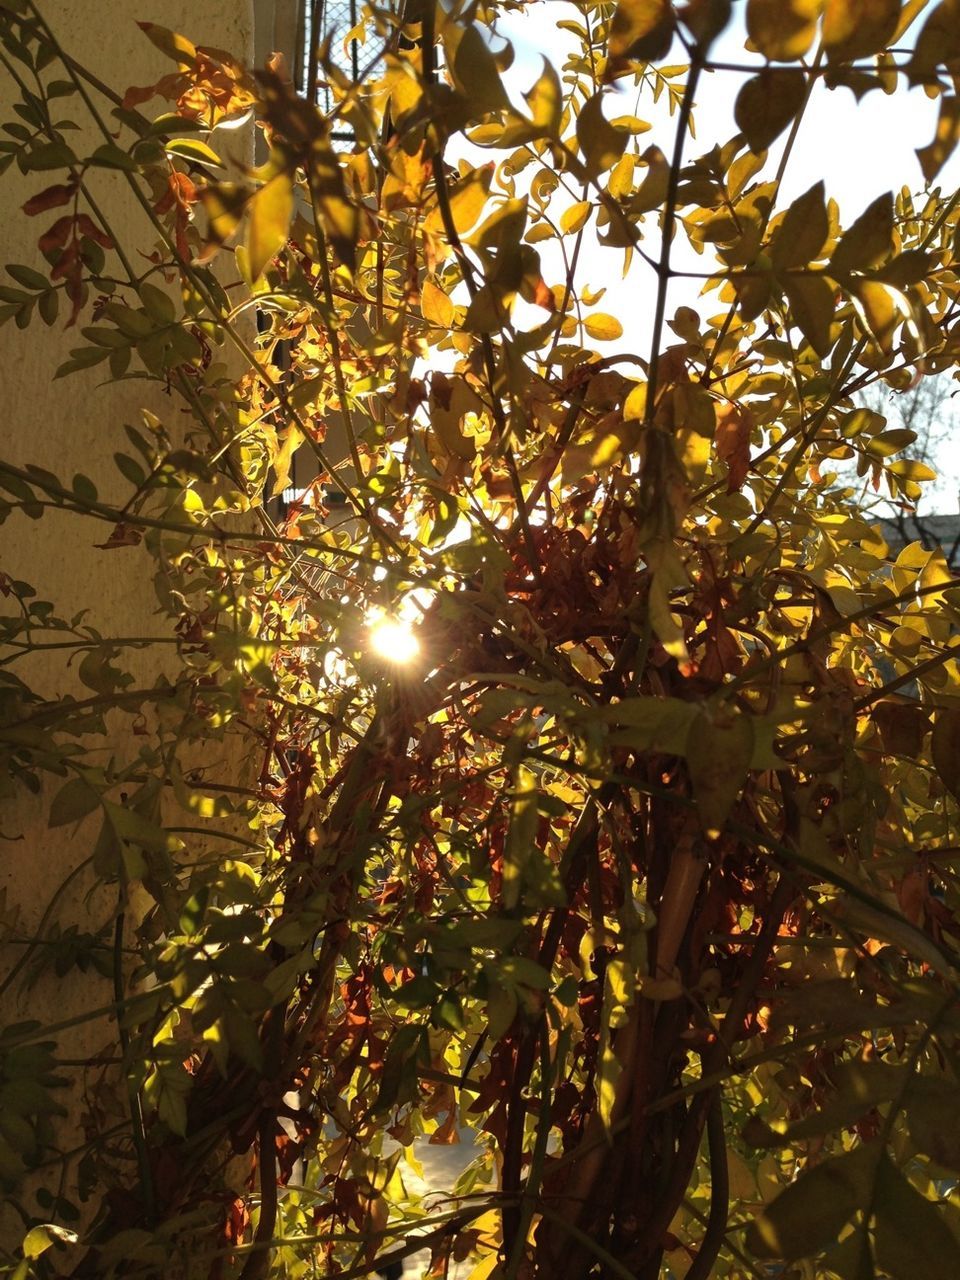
(393, 640)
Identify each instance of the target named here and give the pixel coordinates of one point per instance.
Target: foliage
(643, 868)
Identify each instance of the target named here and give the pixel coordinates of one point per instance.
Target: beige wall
(68, 426)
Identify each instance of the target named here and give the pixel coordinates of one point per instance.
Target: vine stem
(666, 242)
(428, 53)
(778, 179)
(713, 1237)
(134, 1099)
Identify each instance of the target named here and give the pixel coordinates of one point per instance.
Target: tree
(582, 812)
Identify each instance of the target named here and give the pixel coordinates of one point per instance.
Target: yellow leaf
(934, 156)
(621, 179)
(474, 69)
(435, 306)
(783, 29)
(545, 101)
(695, 454)
(284, 459)
(39, 1239)
(575, 217)
(607, 1077)
(600, 143)
(270, 212)
(767, 103)
(175, 46)
(635, 405)
(224, 204)
(868, 241)
(467, 200)
(641, 29)
(484, 1270)
(337, 213)
(603, 327)
(811, 301)
(858, 28)
(803, 232)
(881, 308)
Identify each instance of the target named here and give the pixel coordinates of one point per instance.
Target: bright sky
(860, 150)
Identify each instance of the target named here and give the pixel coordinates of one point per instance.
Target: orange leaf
(59, 194)
(734, 425)
(122, 535)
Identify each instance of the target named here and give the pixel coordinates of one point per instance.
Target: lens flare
(393, 640)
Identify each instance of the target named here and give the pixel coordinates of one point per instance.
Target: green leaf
(859, 1087)
(195, 150)
(26, 276)
(933, 1118)
(130, 469)
(270, 212)
(718, 757)
(39, 1239)
(84, 488)
(502, 1004)
(72, 802)
(50, 155)
(868, 240)
(767, 103)
(887, 443)
(810, 1214)
(912, 1238)
(600, 143)
(661, 725)
(521, 836)
(110, 156)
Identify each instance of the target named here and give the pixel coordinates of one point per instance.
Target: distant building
(929, 531)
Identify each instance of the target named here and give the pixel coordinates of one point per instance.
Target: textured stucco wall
(68, 426)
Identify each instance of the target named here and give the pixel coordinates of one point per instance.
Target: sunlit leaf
(603, 327)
